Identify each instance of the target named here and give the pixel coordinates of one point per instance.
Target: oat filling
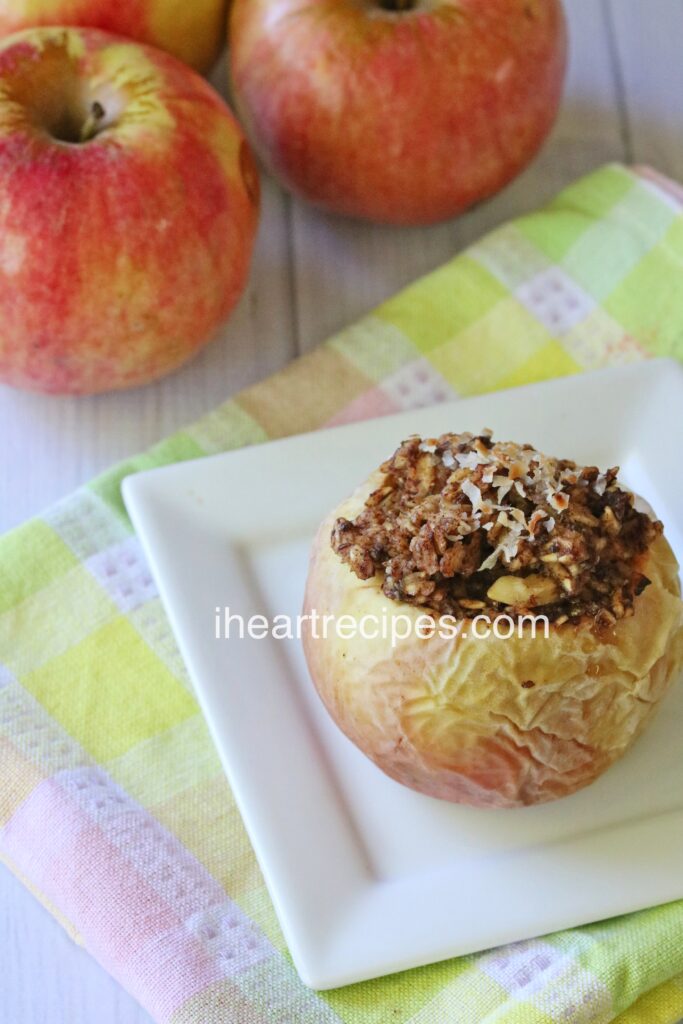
(464, 525)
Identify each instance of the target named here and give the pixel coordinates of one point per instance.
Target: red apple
(402, 111)
(192, 30)
(128, 208)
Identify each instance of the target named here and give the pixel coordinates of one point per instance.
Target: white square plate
(367, 876)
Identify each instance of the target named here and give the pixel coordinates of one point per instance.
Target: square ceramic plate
(367, 876)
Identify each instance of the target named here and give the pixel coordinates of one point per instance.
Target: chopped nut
(604, 619)
(361, 562)
(609, 521)
(584, 518)
(521, 590)
(418, 585)
(378, 496)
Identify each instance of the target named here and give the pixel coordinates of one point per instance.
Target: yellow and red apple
(192, 30)
(402, 111)
(128, 208)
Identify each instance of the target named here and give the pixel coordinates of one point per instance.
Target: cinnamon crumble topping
(461, 524)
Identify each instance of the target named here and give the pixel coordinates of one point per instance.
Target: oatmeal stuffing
(463, 525)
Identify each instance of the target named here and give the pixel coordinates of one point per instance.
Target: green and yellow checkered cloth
(113, 806)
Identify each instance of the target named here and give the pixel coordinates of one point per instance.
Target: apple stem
(92, 122)
(397, 5)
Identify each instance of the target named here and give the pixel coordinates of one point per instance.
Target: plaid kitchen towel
(113, 806)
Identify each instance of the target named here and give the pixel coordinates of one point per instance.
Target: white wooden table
(312, 275)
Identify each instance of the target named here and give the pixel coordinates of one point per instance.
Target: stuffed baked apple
(470, 534)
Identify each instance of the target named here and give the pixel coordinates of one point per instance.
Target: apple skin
(402, 117)
(120, 256)
(192, 30)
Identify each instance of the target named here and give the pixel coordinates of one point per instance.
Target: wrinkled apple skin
(400, 117)
(121, 256)
(452, 718)
(192, 30)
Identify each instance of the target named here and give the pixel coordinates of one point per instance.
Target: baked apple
(518, 620)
